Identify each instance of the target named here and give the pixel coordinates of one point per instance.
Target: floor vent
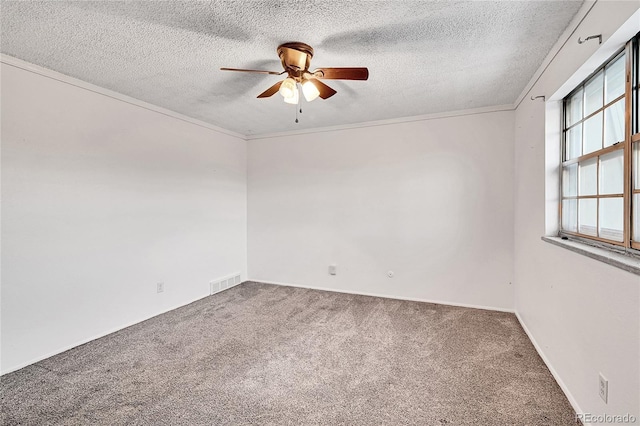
(221, 284)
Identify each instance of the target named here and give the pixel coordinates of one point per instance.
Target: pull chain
(298, 108)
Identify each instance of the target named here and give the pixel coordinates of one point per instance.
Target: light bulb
(309, 90)
(293, 99)
(288, 87)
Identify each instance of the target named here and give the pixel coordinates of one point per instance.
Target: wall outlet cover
(603, 388)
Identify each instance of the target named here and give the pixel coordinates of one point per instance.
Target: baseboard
(554, 373)
(386, 296)
(106, 333)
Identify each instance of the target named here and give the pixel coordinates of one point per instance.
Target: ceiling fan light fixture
(296, 58)
(293, 99)
(309, 90)
(288, 88)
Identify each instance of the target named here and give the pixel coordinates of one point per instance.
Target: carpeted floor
(265, 354)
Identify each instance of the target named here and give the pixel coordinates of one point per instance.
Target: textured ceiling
(423, 56)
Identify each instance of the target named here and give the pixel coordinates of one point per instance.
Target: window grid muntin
(594, 113)
(597, 153)
(634, 162)
(635, 86)
(566, 110)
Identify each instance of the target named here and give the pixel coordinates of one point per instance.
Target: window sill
(623, 261)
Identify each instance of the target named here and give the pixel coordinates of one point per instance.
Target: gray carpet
(265, 354)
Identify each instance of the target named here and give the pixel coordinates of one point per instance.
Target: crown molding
(399, 120)
(45, 72)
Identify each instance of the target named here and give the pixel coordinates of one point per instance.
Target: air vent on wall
(221, 284)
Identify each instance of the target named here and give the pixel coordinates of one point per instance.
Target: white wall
(583, 314)
(430, 200)
(102, 199)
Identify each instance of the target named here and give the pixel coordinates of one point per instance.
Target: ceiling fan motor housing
(295, 57)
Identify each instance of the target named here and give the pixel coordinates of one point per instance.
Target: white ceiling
(423, 56)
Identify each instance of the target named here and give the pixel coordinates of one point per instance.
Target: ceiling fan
(296, 58)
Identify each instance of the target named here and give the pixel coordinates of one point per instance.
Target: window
(601, 154)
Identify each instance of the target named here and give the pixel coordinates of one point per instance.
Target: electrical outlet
(160, 288)
(603, 388)
(332, 269)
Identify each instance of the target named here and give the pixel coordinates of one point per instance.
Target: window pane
(593, 94)
(612, 172)
(636, 217)
(570, 181)
(587, 216)
(611, 218)
(570, 215)
(588, 176)
(636, 165)
(635, 117)
(614, 123)
(574, 108)
(573, 141)
(615, 79)
(592, 134)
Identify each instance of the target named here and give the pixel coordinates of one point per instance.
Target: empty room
(364, 212)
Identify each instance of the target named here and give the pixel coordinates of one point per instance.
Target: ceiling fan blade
(342, 73)
(325, 91)
(270, 91)
(258, 71)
